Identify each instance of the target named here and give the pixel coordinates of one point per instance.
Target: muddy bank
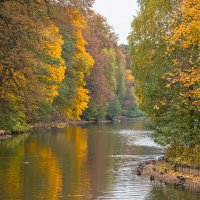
(162, 172)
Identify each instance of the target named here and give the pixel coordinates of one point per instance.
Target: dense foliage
(165, 60)
(59, 59)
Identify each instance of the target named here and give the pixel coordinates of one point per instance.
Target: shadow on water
(82, 163)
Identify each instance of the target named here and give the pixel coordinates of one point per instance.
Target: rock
(147, 162)
(161, 158)
(161, 181)
(153, 162)
(181, 178)
(152, 178)
(141, 165)
(138, 172)
(154, 169)
(181, 186)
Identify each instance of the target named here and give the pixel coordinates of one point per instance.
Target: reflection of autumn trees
(27, 170)
(84, 161)
(101, 144)
(11, 176)
(11, 179)
(163, 192)
(77, 137)
(77, 142)
(46, 170)
(71, 162)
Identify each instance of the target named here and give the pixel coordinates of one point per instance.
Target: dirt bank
(8, 134)
(4, 135)
(67, 124)
(160, 171)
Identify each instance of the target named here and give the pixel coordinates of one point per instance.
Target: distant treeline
(59, 60)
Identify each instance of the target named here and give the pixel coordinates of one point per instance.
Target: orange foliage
(185, 31)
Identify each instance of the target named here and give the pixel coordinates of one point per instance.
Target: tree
(164, 55)
(73, 96)
(100, 38)
(114, 109)
(31, 65)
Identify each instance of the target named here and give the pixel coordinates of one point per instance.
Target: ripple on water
(139, 138)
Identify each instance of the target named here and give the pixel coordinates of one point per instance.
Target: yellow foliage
(52, 46)
(156, 107)
(185, 31)
(82, 62)
(79, 105)
(168, 85)
(129, 76)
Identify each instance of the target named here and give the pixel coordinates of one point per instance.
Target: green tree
(114, 109)
(158, 87)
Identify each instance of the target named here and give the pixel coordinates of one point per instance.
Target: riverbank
(68, 124)
(160, 171)
(4, 135)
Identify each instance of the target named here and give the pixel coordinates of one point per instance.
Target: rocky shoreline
(160, 171)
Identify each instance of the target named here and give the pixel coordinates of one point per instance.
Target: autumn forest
(60, 61)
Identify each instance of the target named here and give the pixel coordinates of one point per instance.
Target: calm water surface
(91, 162)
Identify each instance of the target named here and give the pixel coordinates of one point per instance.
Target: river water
(90, 162)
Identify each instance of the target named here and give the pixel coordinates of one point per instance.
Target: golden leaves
(129, 76)
(156, 107)
(184, 41)
(186, 31)
(52, 46)
(79, 104)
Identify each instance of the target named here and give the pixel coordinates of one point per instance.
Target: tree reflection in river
(160, 192)
(43, 169)
(91, 162)
(11, 167)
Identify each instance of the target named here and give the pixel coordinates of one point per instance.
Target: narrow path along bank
(160, 171)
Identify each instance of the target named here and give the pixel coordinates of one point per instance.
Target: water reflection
(25, 164)
(78, 185)
(82, 163)
(42, 169)
(170, 192)
(11, 159)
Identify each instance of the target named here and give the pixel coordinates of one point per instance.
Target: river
(90, 162)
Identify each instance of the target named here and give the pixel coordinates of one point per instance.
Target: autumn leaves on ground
(60, 61)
